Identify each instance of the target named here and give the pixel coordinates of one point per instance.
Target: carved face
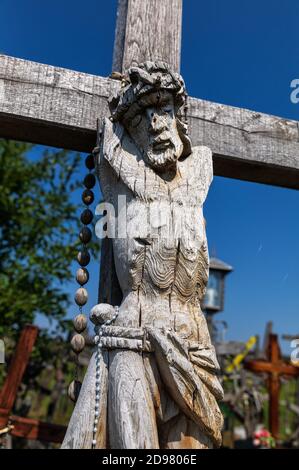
(155, 132)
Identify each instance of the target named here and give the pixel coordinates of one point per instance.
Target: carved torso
(162, 265)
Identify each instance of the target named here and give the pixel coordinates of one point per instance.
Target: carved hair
(147, 78)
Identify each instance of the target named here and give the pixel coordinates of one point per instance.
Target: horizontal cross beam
(274, 368)
(59, 107)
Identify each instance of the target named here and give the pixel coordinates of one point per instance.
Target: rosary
(81, 297)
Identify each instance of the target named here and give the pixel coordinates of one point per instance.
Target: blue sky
(239, 53)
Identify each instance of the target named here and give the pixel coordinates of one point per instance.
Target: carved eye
(136, 120)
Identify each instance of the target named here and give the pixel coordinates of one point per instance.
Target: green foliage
(38, 236)
(39, 226)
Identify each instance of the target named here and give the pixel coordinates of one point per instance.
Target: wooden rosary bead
(80, 323)
(82, 276)
(85, 235)
(74, 390)
(89, 181)
(77, 343)
(86, 217)
(89, 162)
(81, 296)
(83, 258)
(87, 197)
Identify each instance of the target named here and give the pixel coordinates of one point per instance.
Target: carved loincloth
(187, 369)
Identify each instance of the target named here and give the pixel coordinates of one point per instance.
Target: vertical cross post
(147, 30)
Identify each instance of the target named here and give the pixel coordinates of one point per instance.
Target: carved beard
(165, 158)
(164, 155)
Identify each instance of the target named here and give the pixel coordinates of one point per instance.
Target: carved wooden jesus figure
(159, 372)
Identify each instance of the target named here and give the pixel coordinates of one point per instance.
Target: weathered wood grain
(246, 144)
(54, 106)
(80, 429)
(147, 30)
(161, 264)
(120, 35)
(132, 422)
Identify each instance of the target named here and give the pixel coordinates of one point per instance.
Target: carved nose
(157, 124)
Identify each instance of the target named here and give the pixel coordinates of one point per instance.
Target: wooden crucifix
(16, 425)
(54, 106)
(275, 367)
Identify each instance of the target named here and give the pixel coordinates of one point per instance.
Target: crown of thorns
(142, 80)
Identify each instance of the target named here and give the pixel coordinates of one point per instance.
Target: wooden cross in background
(274, 367)
(16, 425)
